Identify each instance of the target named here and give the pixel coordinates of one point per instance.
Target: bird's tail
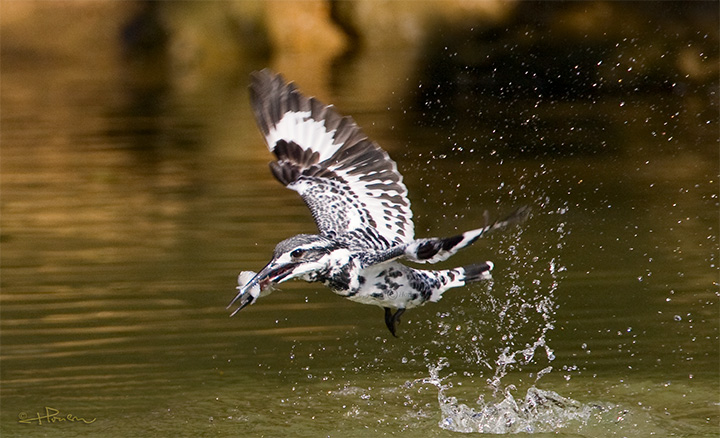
(458, 277)
(479, 271)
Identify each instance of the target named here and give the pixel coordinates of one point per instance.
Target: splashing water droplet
(538, 411)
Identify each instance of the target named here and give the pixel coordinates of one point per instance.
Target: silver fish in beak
(253, 285)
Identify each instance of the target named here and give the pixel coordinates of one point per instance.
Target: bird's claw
(393, 319)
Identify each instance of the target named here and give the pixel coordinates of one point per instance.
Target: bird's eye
(297, 253)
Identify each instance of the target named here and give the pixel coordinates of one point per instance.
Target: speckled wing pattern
(352, 187)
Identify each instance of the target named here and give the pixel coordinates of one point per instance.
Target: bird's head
(298, 256)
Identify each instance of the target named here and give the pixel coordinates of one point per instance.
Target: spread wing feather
(350, 184)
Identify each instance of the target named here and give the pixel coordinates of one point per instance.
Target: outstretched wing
(350, 184)
(435, 249)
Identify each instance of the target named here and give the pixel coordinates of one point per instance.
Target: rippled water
(129, 207)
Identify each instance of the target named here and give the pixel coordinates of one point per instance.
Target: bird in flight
(359, 202)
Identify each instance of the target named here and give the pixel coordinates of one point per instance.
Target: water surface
(129, 207)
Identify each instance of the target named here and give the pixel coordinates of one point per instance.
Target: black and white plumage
(360, 205)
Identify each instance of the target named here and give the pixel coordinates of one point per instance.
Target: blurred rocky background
(454, 61)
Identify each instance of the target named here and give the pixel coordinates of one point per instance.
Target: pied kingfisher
(360, 206)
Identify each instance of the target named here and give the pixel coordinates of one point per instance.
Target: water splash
(523, 319)
(538, 411)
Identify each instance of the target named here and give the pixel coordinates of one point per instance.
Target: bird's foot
(393, 319)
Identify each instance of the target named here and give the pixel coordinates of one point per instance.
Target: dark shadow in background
(532, 84)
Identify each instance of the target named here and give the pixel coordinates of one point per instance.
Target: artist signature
(52, 415)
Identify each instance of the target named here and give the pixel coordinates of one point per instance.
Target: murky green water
(129, 207)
